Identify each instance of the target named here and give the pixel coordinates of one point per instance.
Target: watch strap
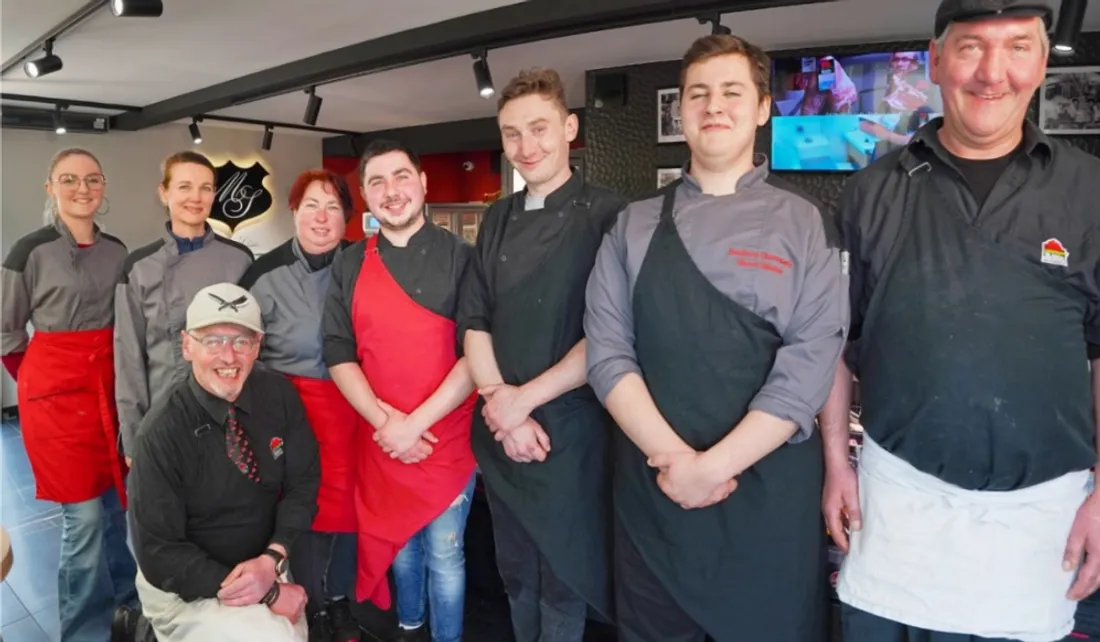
(271, 595)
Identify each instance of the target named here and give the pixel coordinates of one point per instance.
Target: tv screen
(839, 113)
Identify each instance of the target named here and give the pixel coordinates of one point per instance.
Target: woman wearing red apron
(290, 283)
(390, 344)
(61, 279)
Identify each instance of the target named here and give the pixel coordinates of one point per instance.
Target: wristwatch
(271, 595)
(280, 561)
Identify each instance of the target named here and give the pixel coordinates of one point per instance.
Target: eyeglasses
(71, 181)
(216, 342)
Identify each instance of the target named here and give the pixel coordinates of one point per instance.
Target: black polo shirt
(193, 514)
(1049, 189)
(973, 355)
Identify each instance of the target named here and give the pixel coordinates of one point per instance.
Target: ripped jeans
(430, 573)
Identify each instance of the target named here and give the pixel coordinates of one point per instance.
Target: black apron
(563, 502)
(750, 568)
(972, 360)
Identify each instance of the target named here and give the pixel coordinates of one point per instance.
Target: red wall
(448, 182)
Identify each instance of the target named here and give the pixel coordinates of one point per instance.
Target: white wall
(131, 161)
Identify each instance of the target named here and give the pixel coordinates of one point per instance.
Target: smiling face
(76, 184)
(722, 109)
(988, 71)
(319, 219)
(394, 190)
(189, 194)
(221, 357)
(536, 133)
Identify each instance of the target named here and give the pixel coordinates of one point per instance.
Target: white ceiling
(139, 62)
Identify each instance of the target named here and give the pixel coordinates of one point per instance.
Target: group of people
(656, 394)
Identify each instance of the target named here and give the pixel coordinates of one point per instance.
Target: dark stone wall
(621, 150)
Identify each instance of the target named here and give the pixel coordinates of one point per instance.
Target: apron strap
(669, 201)
(916, 178)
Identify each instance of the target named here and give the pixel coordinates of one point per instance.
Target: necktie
(236, 446)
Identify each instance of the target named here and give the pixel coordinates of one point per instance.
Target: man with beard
(716, 315)
(389, 344)
(224, 479)
(975, 311)
(540, 435)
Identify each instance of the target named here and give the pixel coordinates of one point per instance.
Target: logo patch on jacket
(277, 447)
(1054, 253)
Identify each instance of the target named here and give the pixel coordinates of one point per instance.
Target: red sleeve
(11, 363)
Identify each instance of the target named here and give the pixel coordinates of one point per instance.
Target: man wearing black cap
(975, 310)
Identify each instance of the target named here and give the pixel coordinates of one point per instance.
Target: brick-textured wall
(621, 150)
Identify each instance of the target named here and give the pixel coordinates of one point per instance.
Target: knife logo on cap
(236, 304)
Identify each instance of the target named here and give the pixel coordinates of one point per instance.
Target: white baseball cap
(224, 303)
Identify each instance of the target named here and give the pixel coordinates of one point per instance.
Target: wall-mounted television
(839, 113)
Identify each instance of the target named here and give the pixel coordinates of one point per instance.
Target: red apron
(335, 424)
(67, 412)
(405, 351)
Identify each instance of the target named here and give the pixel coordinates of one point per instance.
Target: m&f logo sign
(241, 195)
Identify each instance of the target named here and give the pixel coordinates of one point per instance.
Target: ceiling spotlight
(45, 65)
(1071, 17)
(59, 121)
(137, 8)
(313, 107)
(269, 134)
(482, 76)
(196, 135)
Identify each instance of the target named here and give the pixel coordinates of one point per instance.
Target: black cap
(967, 10)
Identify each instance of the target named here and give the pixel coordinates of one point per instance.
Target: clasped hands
(250, 581)
(507, 412)
(402, 438)
(692, 479)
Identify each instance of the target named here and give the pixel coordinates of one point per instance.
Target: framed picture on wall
(1069, 101)
(666, 175)
(669, 127)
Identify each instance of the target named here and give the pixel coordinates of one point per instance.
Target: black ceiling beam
(46, 100)
(503, 27)
(265, 123)
(476, 134)
(33, 118)
(72, 21)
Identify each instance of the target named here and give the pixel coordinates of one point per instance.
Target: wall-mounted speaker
(609, 90)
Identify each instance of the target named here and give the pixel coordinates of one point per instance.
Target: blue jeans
(438, 552)
(97, 571)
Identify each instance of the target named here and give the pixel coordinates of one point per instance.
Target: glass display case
(462, 219)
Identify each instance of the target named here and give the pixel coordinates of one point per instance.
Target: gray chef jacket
(151, 299)
(292, 298)
(56, 285)
(765, 248)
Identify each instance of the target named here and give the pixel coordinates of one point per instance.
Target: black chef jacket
(1039, 224)
(428, 269)
(193, 514)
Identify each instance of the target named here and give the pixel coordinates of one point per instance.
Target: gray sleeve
(608, 318)
(16, 297)
(813, 340)
(131, 376)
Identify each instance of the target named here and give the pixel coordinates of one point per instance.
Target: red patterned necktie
(236, 446)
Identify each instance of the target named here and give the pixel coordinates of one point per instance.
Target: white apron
(934, 556)
(207, 620)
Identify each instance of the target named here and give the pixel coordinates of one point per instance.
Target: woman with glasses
(61, 279)
(290, 283)
(157, 283)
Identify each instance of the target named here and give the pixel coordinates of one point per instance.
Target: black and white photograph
(669, 126)
(666, 175)
(1069, 101)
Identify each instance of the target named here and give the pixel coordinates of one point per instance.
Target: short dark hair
(716, 45)
(536, 81)
(380, 147)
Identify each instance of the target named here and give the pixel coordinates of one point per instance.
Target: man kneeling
(224, 478)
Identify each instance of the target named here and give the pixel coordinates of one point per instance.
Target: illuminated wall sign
(241, 195)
